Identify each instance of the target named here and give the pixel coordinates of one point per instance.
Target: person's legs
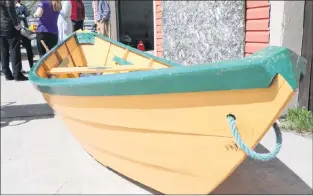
(51, 40)
(16, 57)
(81, 25)
(98, 29)
(78, 25)
(41, 49)
(75, 26)
(108, 28)
(4, 44)
(103, 28)
(28, 46)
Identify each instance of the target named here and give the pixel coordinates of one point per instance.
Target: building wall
(286, 29)
(267, 23)
(293, 25)
(257, 26)
(202, 31)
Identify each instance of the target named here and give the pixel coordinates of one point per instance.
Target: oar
(67, 70)
(44, 45)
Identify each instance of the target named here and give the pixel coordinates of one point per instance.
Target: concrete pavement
(40, 156)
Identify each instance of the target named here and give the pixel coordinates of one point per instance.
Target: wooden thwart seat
(121, 61)
(66, 70)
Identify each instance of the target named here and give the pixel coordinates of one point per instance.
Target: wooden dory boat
(158, 122)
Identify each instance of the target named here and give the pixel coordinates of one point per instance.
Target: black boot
(8, 74)
(9, 77)
(21, 77)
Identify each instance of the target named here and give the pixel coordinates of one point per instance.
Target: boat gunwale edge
(177, 78)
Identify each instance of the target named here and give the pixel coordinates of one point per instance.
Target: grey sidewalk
(40, 156)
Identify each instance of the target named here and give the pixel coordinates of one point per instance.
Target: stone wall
(203, 31)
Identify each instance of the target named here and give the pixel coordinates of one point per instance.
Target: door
(306, 83)
(136, 23)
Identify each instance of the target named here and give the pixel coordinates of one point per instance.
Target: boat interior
(82, 55)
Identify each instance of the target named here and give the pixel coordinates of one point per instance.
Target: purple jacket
(48, 21)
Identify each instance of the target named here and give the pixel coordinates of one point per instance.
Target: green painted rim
(255, 71)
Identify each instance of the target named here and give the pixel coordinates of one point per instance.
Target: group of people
(56, 21)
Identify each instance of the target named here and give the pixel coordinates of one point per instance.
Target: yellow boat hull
(173, 143)
(158, 122)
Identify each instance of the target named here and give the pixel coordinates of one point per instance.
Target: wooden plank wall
(257, 26)
(158, 22)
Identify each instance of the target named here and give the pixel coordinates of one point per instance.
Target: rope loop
(251, 153)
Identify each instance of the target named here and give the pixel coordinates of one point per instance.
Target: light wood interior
(103, 69)
(71, 59)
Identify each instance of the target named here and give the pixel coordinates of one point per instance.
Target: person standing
(78, 14)
(23, 13)
(47, 30)
(95, 7)
(10, 41)
(64, 21)
(103, 17)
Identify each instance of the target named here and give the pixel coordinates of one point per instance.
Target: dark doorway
(135, 23)
(306, 84)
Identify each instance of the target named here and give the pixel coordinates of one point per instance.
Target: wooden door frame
(114, 21)
(306, 82)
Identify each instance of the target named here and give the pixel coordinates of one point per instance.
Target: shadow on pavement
(252, 177)
(152, 191)
(23, 113)
(257, 177)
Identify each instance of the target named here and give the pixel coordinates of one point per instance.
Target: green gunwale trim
(85, 38)
(121, 61)
(255, 71)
